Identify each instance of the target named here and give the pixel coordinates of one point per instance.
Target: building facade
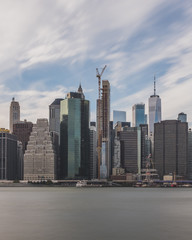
(138, 114)
(182, 117)
(189, 165)
(74, 136)
(8, 157)
(93, 153)
(23, 130)
(54, 116)
(118, 116)
(130, 141)
(154, 113)
(145, 144)
(103, 105)
(40, 157)
(14, 114)
(171, 148)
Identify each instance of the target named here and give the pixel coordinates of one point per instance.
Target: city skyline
(48, 48)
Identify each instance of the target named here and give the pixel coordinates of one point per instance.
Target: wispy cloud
(131, 39)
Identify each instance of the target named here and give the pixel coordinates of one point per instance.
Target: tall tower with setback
(154, 110)
(74, 136)
(103, 119)
(14, 114)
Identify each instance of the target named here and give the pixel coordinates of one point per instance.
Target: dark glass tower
(8, 156)
(74, 136)
(54, 116)
(171, 147)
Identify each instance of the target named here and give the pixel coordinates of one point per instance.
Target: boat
(173, 184)
(81, 183)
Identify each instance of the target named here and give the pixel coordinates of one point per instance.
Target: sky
(49, 47)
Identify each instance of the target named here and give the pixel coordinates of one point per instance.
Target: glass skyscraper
(138, 114)
(54, 116)
(118, 116)
(182, 117)
(74, 136)
(154, 110)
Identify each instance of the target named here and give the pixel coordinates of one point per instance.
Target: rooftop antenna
(154, 86)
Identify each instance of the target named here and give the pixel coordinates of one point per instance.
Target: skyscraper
(145, 144)
(93, 152)
(8, 156)
(74, 136)
(182, 117)
(23, 130)
(130, 140)
(154, 110)
(40, 157)
(54, 116)
(138, 114)
(118, 116)
(14, 116)
(189, 165)
(171, 147)
(104, 106)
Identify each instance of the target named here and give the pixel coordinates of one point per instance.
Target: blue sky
(48, 47)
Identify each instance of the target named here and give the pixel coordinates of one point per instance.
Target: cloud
(33, 103)
(35, 32)
(132, 40)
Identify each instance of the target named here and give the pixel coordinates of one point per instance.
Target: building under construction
(103, 118)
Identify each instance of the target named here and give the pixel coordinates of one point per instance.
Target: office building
(145, 144)
(154, 110)
(14, 114)
(54, 116)
(20, 161)
(40, 157)
(138, 114)
(74, 136)
(189, 165)
(117, 152)
(8, 156)
(93, 124)
(93, 153)
(146, 119)
(171, 148)
(130, 141)
(182, 117)
(23, 130)
(118, 116)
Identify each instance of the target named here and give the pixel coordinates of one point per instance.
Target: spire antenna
(154, 86)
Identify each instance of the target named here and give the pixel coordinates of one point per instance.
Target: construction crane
(98, 75)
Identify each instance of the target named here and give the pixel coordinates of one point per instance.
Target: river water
(95, 213)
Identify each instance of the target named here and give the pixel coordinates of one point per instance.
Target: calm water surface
(97, 213)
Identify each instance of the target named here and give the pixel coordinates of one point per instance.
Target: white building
(40, 158)
(154, 111)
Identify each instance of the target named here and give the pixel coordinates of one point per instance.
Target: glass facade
(138, 114)
(154, 112)
(8, 156)
(182, 117)
(118, 116)
(74, 137)
(189, 165)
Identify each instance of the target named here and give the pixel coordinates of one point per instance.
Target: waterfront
(98, 213)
